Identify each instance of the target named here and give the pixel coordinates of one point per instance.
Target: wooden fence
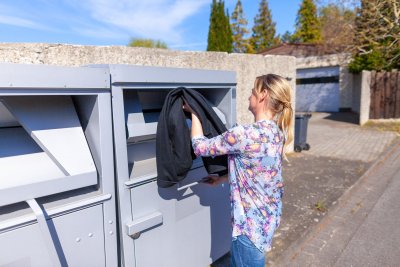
(385, 95)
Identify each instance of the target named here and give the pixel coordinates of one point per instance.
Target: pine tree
(219, 33)
(212, 42)
(308, 28)
(264, 29)
(239, 30)
(228, 34)
(288, 38)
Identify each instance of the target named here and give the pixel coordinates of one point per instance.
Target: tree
(377, 37)
(239, 30)
(307, 23)
(228, 36)
(264, 29)
(150, 43)
(337, 26)
(289, 38)
(219, 33)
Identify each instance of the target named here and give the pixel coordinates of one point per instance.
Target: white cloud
(21, 22)
(107, 19)
(21, 16)
(157, 19)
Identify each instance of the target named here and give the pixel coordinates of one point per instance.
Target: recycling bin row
(78, 169)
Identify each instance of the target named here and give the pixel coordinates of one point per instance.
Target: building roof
(302, 50)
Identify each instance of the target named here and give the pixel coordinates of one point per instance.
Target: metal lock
(136, 235)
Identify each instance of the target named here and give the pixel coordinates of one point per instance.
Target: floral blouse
(255, 175)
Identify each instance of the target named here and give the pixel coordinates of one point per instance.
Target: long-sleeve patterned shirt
(256, 185)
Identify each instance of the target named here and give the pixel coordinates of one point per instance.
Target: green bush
(371, 61)
(137, 42)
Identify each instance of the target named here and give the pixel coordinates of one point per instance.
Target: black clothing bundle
(174, 150)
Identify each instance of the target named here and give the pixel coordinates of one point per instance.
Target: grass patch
(320, 206)
(390, 125)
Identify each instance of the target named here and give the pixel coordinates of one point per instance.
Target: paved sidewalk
(336, 135)
(316, 179)
(362, 229)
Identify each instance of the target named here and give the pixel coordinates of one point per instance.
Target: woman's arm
(228, 142)
(197, 129)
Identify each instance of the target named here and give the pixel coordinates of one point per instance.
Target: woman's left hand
(214, 180)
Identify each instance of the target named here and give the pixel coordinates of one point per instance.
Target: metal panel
(24, 247)
(6, 118)
(80, 236)
(317, 72)
(13, 193)
(53, 123)
(144, 74)
(48, 235)
(42, 77)
(121, 165)
(106, 171)
(196, 227)
(317, 97)
(20, 221)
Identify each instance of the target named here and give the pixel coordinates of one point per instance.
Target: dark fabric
(174, 150)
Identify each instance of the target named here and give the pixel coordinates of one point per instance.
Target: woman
(255, 153)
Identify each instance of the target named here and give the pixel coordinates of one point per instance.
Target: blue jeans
(245, 254)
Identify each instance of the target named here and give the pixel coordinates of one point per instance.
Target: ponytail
(285, 120)
(280, 102)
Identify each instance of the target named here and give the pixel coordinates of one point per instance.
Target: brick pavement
(330, 137)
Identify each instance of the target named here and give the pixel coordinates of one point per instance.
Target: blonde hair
(280, 103)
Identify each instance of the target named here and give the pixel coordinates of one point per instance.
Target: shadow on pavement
(348, 117)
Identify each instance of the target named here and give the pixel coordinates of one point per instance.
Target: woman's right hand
(187, 108)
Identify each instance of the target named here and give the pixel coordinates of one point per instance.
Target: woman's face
(253, 101)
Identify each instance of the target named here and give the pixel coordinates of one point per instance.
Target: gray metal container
(184, 225)
(56, 167)
(59, 188)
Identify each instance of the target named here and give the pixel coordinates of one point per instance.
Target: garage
(318, 90)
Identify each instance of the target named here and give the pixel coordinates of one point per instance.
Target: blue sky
(182, 24)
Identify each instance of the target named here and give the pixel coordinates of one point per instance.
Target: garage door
(317, 89)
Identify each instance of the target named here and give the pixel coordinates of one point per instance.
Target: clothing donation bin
(300, 132)
(187, 224)
(56, 167)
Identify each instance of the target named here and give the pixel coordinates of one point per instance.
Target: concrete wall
(345, 78)
(357, 93)
(247, 67)
(364, 81)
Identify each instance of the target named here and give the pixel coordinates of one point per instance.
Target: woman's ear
(263, 95)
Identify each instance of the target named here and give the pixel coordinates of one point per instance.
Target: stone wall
(247, 67)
